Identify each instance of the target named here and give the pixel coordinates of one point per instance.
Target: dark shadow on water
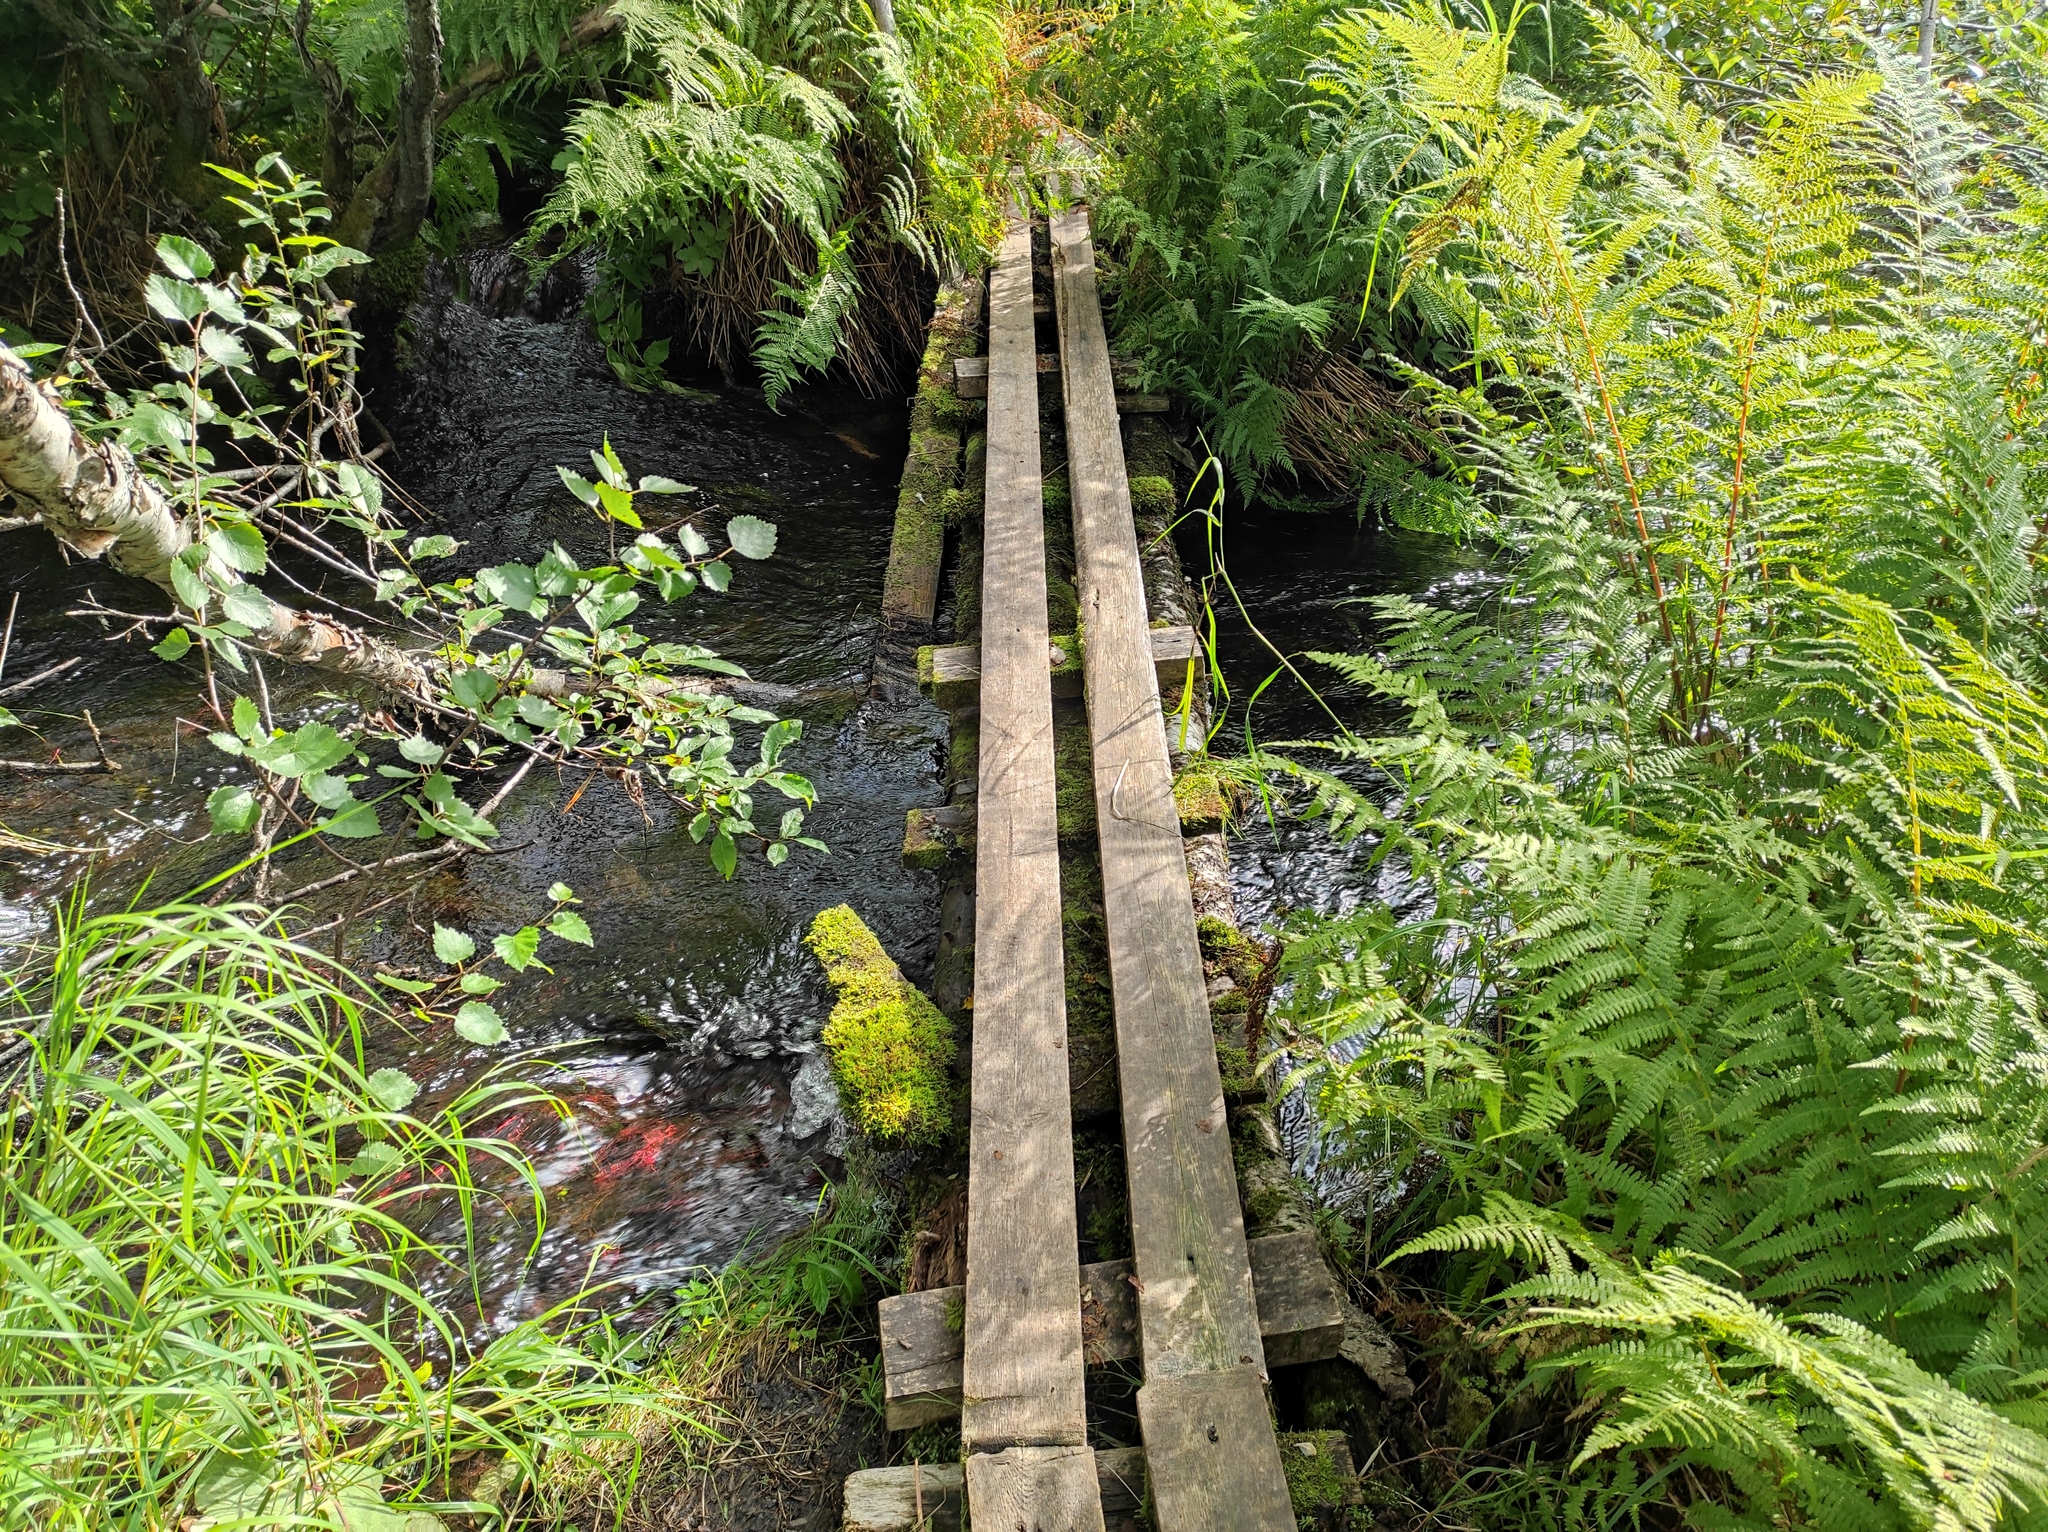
(673, 1047)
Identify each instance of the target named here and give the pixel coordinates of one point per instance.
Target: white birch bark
(98, 503)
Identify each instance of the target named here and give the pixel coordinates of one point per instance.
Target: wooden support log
(925, 1497)
(1301, 1319)
(950, 674)
(970, 376)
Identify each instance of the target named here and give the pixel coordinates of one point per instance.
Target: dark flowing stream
(684, 1050)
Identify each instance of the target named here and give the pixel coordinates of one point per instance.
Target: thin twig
(42, 675)
(7, 638)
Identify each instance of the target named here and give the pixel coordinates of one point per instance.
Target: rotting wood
(1021, 1363)
(1198, 1322)
(892, 1499)
(1035, 1489)
(1301, 1319)
(950, 674)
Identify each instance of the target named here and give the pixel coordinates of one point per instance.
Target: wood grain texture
(1210, 1451)
(1034, 1489)
(1196, 1307)
(1301, 1319)
(1021, 1377)
(889, 1499)
(1198, 1322)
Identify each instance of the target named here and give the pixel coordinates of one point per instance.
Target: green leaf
(175, 646)
(363, 489)
(173, 299)
(405, 986)
(608, 466)
(562, 893)
(480, 984)
(571, 927)
(438, 546)
(480, 1023)
(239, 546)
(233, 807)
(516, 948)
(453, 946)
(780, 734)
(580, 487)
(513, 584)
(691, 541)
(751, 537)
(655, 484)
(778, 853)
(356, 822)
(248, 721)
(393, 1089)
(618, 504)
(725, 856)
(473, 687)
(183, 257)
(247, 605)
(420, 750)
(716, 575)
(186, 581)
(309, 748)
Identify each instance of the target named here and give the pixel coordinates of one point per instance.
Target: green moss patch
(1073, 777)
(1206, 801)
(1320, 1484)
(890, 1046)
(1093, 1088)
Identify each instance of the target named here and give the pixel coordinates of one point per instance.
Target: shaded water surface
(683, 1052)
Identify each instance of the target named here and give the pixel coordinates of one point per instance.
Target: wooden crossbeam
(1203, 1407)
(1301, 1319)
(1023, 1423)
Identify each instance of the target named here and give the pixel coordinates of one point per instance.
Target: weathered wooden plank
(1301, 1319)
(950, 674)
(1210, 1452)
(913, 1497)
(1021, 1365)
(1034, 1489)
(1196, 1311)
(970, 379)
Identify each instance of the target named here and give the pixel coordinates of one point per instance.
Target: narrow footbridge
(1200, 1308)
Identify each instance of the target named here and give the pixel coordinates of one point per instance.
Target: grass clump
(213, 1273)
(891, 1048)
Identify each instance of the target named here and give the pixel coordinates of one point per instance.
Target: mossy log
(891, 1048)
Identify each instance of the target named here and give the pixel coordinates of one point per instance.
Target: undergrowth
(1718, 1053)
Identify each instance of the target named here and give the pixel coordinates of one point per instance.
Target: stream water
(683, 1050)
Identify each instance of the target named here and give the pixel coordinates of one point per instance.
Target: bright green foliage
(1257, 164)
(765, 154)
(210, 1216)
(891, 1048)
(1730, 829)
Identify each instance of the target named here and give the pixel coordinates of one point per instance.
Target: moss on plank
(1091, 1022)
(890, 1047)
(918, 543)
(1205, 798)
(1320, 1485)
(1073, 779)
(1152, 497)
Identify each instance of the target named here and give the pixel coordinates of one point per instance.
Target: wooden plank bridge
(1007, 1352)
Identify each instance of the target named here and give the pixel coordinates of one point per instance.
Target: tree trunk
(369, 221)
(97, 502)
(418, 95)
(885, 16)
(195, 129)
(344, 125)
